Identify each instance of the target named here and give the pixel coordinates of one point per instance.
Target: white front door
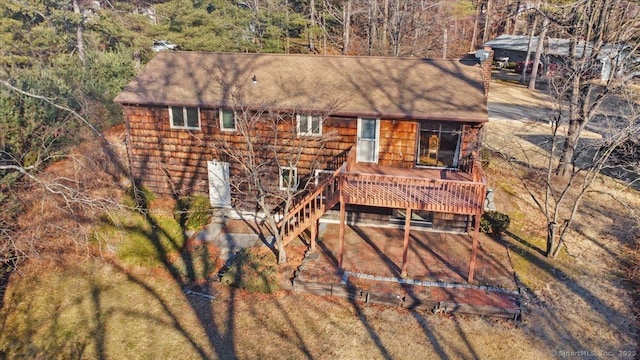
(219, 186)
(368, 138)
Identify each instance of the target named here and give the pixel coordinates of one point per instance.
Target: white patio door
(368, 140)
(219, 186)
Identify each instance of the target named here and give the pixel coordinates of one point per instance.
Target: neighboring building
(405, 133)
(513, 48)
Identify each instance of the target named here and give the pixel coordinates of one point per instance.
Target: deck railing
(418, 193)
(337, 161)
(311, 207)
(459, 197)
(472, 166)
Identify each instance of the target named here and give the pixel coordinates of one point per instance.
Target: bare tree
(559, 198)
(71, 192)
(598, 32)
(560, 171)
(342, 12)
(273, 157)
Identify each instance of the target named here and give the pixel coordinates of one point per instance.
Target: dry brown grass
(585, 291)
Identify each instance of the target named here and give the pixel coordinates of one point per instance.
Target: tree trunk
(324, 35)
(531, 36)
(137, 60)
(476, 23)
(575, 119)
(79, 32)
(539, 50)
(346, 26)
(371, 32)
(514, 22)
(282, 255)
(286, 36)
(445, 40)
(312, 17)
(385, 27)
(570, 145)
(552, 236)
(487, 21)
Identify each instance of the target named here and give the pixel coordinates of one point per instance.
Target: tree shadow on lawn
(418, 314)
(191, 271)
(555, 331)
(525, 243)
(586, 151)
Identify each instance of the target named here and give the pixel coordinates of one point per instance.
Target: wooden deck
(430, 193)
(438, 190)
(432, 189)
(418, 173)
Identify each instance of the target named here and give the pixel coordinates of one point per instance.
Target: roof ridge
(378, 57)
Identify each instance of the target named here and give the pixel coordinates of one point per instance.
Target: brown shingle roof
(344, 85)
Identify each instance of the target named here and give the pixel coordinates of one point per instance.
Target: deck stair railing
(311, 207)
(471, 165)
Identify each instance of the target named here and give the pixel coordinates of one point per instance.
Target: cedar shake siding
(404, 94)
(173, 161)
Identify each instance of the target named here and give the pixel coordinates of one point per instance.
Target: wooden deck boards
(425, 173)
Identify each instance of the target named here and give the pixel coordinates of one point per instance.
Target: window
(309, 125)
(321, 174)
(368, 136)
(288, 178)
(227, 120)
(439, 144)
(183, 117)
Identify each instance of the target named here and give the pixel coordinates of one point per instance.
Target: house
(404, 133)
(513, 48)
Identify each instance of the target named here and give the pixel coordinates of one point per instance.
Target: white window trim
(308, 119)
(281, 179)
(184, 117)
(317, 173)
(377, 139)
(235, 120)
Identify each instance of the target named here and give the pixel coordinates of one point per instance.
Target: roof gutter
(331, 112)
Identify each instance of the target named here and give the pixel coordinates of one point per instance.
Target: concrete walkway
(230, 243)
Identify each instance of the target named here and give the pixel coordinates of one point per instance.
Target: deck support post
(474, 247)
(343, 217)
(405, 246)
(314, 234)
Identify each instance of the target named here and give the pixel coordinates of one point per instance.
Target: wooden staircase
(306, 212)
